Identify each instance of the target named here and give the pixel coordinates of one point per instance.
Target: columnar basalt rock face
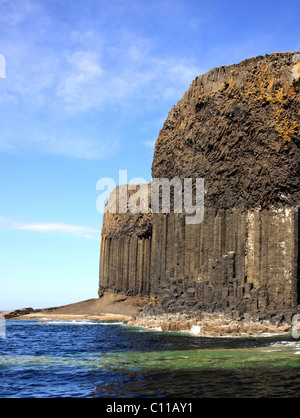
(125, 265)
(238, 128)
(125, 248)
(232, 260)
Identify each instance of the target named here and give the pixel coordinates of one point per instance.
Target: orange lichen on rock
(260, 86)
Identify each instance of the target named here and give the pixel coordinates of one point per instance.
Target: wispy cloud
(48, 227)
(150, 144)
(88, 81)
(80, 85)
(15, 12)
(89, 70)
(67, 73)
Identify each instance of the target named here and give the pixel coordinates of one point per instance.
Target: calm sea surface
(91, 359)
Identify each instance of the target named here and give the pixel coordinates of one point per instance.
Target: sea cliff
(236, 271)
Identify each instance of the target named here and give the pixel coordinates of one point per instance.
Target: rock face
(125, 250)
(238, 128)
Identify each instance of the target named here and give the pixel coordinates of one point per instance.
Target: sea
(90, 359)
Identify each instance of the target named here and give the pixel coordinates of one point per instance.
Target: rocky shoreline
(142, 312)
(217, 324)
(210, 325)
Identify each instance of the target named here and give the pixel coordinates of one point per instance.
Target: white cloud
(89, 146)
(48, 227)
(64, 86)
(62, 75)
(150, 144)
(80, 83)
(14, 12)
(82, 78)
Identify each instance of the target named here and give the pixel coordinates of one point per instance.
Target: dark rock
(17, 312)
(238, 128)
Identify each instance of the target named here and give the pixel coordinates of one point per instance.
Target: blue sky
(88, 86)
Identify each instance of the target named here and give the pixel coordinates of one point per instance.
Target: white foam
(195, 330)
(157, 329)
(291, 344)
(70, 322)
(143, 328)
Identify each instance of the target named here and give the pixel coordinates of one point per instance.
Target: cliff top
(118, 224)
(238, 128)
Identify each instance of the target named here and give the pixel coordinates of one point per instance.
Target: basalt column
(125, 253)
(236, 127)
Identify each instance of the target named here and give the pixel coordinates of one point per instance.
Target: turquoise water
(92, 359)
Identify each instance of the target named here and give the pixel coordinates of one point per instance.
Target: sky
(85, 87)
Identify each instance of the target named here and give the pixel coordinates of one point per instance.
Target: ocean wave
(195, 330)
(68, 322)
(283, 345)
(77, 322)
(143, 328)
(292, 344)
